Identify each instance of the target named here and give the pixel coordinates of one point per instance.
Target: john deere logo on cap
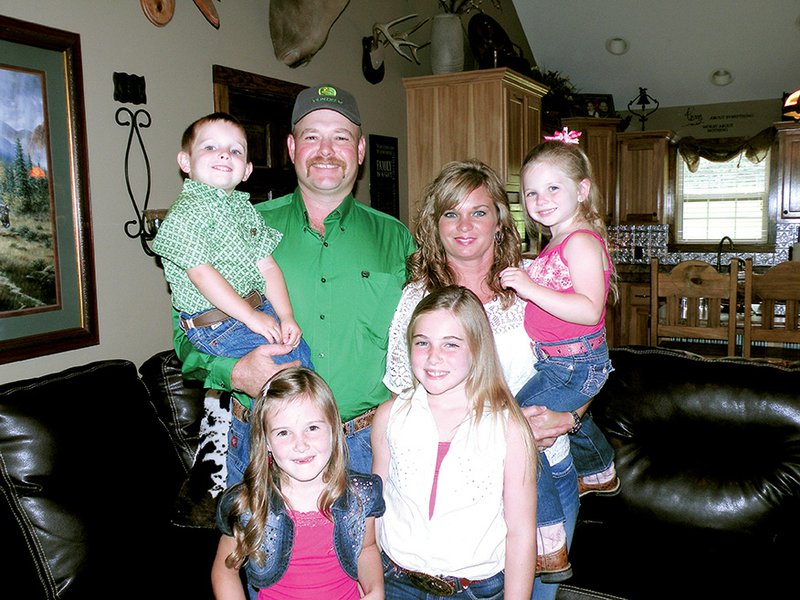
(327, 91)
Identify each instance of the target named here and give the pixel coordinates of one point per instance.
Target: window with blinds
(722, 198)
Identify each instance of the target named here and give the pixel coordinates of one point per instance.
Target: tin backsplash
(637, 244)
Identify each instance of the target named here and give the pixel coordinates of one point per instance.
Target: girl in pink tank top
(566, 288)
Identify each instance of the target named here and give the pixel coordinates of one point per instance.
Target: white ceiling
(675, 45)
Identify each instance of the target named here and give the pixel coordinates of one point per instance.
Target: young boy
(216, 251)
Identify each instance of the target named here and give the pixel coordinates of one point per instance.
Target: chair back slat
(777, 292)
(699, 303)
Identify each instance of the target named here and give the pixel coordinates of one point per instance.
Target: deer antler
(397, 40)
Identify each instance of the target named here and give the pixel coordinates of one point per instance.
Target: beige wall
(176, 60)
(733, 119)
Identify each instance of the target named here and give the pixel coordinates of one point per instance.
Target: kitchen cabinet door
(642, 177)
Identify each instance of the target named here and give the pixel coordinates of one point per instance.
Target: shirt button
(323, 280)
(322, 317)
(325, 244)
(321, 355)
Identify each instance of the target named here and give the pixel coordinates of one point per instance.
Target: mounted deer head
(299, 28)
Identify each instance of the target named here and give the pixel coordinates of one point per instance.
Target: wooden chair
(780, 285)
(696, 297)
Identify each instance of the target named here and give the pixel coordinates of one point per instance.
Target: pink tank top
(550, 269)
(314, 571)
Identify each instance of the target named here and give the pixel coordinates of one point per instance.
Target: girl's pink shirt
(550, 269)
(314, 571)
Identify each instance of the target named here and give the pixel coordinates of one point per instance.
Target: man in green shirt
(344, 265)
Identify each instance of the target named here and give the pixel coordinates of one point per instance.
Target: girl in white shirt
(458, 464)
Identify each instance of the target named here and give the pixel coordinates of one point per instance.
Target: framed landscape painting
(47, 285)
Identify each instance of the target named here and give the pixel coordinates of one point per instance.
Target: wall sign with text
(384, 178)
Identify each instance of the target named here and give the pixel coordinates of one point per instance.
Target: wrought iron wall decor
(136, 121)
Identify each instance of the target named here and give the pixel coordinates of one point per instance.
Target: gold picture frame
(49, 303)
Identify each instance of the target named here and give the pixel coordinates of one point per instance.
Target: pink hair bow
(566, 136)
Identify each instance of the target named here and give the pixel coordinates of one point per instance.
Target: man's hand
(547, 425)
(252, 371)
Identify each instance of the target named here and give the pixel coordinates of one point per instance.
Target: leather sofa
(93, 461)
(708, 452)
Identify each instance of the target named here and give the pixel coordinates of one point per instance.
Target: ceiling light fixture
(721, 77)
(617, 46)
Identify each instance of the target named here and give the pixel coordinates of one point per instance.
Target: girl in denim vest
(300, 524)
(457, 459)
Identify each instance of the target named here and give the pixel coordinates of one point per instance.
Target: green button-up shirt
(207, 226)
(344, 286)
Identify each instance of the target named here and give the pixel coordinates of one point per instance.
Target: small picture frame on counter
(596, 105)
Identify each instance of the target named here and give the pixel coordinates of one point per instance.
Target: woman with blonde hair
(466, 236)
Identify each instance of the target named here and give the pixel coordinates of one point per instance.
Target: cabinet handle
(641, 295)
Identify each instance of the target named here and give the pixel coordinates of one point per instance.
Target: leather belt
(359, 423)
(350, 427)
(239, 411)
(214, 316)
(573, 348)
(438, 585)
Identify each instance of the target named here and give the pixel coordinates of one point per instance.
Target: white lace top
(512, 343)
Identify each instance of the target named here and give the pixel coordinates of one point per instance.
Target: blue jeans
(238, 454)
(233, 339)
(566, 483)
(565, 383)
(360, 450)
(399, 587)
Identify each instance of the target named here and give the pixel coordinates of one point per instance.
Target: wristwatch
(576, 427)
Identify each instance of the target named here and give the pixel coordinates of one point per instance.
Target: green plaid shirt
(207, 226)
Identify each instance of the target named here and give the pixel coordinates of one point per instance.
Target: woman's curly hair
(457, 180)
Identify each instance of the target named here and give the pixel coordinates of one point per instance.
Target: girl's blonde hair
(455, 182)
(572, 160)
(262, 477)
(485, 384)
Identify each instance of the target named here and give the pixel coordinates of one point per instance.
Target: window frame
(672, 209)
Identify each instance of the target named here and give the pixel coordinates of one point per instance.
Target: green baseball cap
(325, 96)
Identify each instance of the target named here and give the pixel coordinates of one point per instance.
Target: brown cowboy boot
(552, 562)
(605, 483)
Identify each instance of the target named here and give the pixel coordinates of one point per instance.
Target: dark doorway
(264, 106)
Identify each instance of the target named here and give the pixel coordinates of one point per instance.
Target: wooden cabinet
(493, 115)
(634, 314)
(642, 160)
(789, 169)
(599, 141)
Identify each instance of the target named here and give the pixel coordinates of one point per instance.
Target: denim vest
(362, 499)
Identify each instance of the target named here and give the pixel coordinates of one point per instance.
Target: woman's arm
(547, 425)
(519, 509)
(225, 581)
(370, 569)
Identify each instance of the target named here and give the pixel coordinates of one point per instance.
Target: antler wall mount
(382, 35)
